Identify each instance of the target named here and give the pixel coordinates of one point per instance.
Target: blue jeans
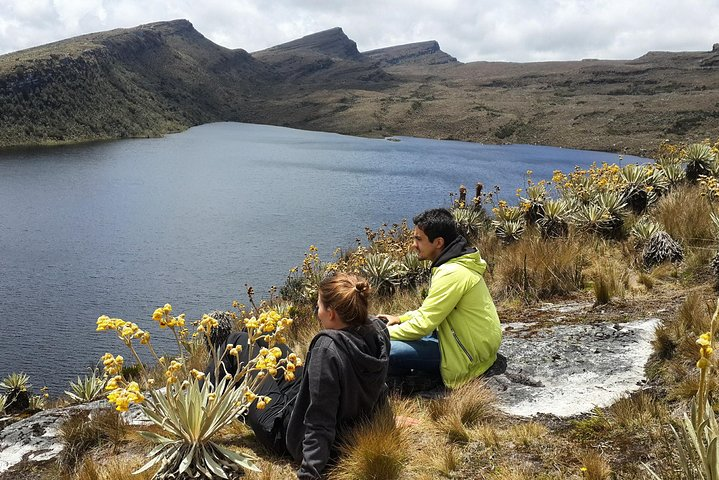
(415, 356)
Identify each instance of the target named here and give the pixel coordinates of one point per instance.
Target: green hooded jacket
(460, 308)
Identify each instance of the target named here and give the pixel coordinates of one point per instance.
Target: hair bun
(362, 288)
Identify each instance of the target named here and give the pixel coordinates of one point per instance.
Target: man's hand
(389, 319)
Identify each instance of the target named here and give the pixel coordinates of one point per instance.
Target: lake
(120, 228)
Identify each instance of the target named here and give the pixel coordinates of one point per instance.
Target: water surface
(120, 228)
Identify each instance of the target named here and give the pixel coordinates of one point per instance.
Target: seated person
(456, 331)
(342, 380)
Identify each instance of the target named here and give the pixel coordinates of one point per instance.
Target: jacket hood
(367, 347)
(461, 252)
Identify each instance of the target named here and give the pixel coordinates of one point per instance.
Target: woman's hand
(388, 319)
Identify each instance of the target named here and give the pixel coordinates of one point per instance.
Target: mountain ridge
(166, 76)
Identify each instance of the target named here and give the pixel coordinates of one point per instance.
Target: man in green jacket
(456, 331)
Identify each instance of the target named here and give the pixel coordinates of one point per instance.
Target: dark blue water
(123, 227)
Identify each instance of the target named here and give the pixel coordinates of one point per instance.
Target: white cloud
(513, 30)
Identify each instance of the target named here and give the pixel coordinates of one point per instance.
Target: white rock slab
(566, 370)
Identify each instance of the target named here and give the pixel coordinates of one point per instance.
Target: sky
(471, 30)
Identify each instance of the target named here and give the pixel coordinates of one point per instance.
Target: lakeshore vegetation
(633, 238)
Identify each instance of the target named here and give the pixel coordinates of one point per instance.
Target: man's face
(426, 250)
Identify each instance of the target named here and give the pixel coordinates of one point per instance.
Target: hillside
(165, 77)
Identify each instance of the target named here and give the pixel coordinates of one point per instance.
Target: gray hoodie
(343, 382)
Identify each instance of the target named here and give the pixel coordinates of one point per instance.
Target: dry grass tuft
(304, 327)
(684, 214)
(646, 280)
(527, 433)
(400, 302)
(272, 471)
(638, 412)
(539, 269)
(114, 470)
(375, 450)
(448, 460)
(609, 280)
(512, 473)
(594, 465)
(464, 408)
(83, 432)
(488, 435)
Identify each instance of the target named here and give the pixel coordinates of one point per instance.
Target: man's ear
(439, 242)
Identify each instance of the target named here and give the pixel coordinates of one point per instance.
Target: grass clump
(594, 465)
(463, 409)
(85, 431)
(539, 269)
(375, 450)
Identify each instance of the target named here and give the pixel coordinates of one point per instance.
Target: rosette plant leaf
(191, 409)
(18, 395)
(87, 388)
(636, 190)
(3, 402)
(592, 218)
(471, 222)
(382, 272)
(509, 231)
(554, 222)
(533, 203)
(672, 172)
(699, 160)
(190, 414)
(643, 230)
(414, 271)
(661, 247)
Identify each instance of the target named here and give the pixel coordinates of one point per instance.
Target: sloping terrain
(166, 76)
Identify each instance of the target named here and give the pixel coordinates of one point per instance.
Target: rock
(36, 439)
(566, 370)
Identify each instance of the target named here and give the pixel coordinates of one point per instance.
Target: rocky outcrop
(420, 53)
(36, 439)
(566, 370)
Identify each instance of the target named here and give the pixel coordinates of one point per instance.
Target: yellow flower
(158, 314)
(167, 308)
(703, 363)
(289, 376)
(211, 397)
(197, 375)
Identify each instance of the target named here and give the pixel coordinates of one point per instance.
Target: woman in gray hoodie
(341, 382)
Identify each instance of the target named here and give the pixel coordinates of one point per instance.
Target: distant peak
(427, 52)
(332, 42)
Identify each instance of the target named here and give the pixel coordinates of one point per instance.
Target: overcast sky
(511, 30)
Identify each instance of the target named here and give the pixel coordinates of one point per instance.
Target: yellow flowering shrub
(191, 409)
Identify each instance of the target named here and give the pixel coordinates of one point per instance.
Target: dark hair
(347, 295)
(437, 222)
